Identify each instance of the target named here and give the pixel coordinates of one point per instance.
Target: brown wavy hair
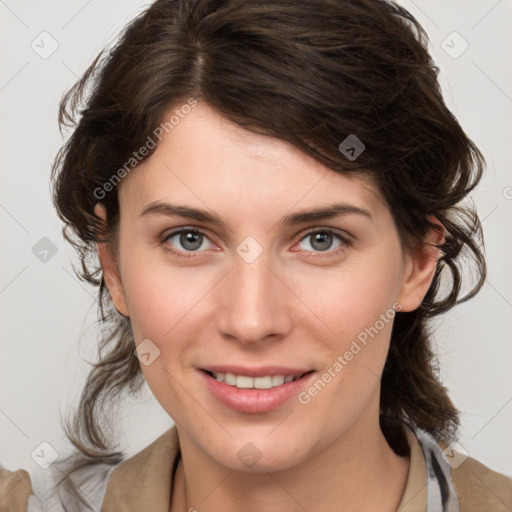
(308, 72)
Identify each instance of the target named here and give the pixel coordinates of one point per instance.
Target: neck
(358, 471)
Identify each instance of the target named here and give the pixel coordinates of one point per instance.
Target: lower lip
(255, 400)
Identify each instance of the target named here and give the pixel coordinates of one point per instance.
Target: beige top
(144, 482)
(153, 468)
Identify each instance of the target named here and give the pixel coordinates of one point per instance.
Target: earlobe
(420, 268)
(110, 268)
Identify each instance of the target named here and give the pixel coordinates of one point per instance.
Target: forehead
(209, 161)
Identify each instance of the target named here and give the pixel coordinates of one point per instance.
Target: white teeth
(264, 382)
(229, 378)
(277, 380)
(246, 382)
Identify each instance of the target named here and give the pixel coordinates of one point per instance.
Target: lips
(254, 390)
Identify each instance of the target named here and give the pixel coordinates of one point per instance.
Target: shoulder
(15, 490)
(142, 481)
(38, 490)
(480, 488)
(477, 486)
(456, 481)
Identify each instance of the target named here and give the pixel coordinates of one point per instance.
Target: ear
(110, 268)
(420, 267)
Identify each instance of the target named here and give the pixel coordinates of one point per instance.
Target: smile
(247, 382)
(255, 394)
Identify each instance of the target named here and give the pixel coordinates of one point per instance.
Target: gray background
(48, 327)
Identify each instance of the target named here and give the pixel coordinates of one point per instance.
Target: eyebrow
(292, 219)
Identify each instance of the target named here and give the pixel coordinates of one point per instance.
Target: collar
(144, 481)
(429, 486)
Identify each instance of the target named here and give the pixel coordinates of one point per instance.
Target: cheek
(164, 300)
(165, 306)
(354, 298)
(359, 306)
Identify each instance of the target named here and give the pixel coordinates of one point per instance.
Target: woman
(274, 192)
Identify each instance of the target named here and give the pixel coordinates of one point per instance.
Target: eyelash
(345, 242)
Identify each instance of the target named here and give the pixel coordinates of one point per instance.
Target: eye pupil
(191, 237)
(321, 237)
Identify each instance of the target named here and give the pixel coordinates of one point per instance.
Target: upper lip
(260, 371)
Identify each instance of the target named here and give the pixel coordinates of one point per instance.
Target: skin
(288, 307)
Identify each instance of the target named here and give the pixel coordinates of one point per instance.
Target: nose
(254, 303)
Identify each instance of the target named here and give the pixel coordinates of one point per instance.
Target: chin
(259, 456)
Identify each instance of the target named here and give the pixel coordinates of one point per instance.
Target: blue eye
(322, 240)
(190, 240)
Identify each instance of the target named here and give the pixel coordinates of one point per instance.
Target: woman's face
(267, 290)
